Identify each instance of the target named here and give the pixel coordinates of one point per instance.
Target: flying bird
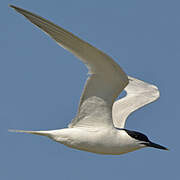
(99, 126)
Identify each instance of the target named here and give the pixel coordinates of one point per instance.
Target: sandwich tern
(99, 124)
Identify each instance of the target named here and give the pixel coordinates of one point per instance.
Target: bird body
(99, 124)
(100, 141)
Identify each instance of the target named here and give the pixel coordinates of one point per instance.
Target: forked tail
(41, 133)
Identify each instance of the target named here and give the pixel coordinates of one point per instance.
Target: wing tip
(12, 6)
(16, 8)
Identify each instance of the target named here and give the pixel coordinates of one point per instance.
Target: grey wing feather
(139, 93)
(106, 79)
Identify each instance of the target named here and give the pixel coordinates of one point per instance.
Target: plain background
(40, 86)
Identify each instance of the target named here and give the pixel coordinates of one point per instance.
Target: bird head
(143, 140)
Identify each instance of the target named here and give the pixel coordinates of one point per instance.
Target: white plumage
(94, 128)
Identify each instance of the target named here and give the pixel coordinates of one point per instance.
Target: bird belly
(98, 141)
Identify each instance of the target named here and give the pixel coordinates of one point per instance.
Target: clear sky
(40, 86)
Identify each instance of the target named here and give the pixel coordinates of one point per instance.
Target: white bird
(99, 124)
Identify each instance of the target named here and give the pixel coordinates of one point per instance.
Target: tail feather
(42, 133)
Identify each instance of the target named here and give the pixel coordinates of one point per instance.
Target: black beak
(154, 145)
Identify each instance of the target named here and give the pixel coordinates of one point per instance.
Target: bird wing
(139, 94)
(106, 78)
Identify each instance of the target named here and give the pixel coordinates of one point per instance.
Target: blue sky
(41, 84)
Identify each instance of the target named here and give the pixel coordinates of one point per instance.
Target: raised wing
(106, 78)
(139, 94)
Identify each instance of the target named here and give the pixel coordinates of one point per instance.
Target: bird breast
(100, 141)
